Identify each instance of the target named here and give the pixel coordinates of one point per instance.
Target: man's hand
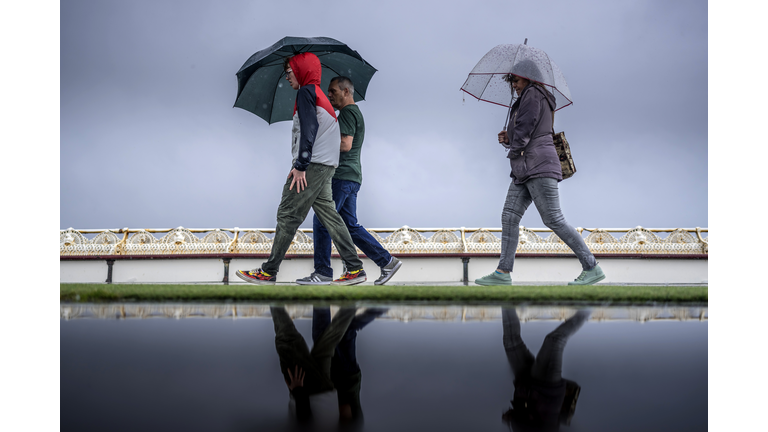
(297, 378)
(299, 179)
(503, 138)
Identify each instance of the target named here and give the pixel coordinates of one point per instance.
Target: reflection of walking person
(307, 372)
(542, 397)
(345, 371)
(535, 172)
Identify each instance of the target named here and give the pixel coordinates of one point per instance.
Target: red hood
(306, 67)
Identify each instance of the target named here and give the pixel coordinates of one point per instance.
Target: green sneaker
(589, 277)
(495, 279)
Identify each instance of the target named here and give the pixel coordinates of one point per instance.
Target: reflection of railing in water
(395, 313)
(405, 240)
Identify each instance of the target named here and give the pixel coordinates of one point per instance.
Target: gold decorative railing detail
(404, 240)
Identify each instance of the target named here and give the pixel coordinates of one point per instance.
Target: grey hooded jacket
(532, 153)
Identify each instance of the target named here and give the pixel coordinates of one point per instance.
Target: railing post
(465, 261)
(226, 271)
(110, 263)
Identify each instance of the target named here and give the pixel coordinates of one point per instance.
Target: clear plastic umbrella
(486, 82)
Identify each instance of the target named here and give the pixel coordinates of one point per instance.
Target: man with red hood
(315, 150)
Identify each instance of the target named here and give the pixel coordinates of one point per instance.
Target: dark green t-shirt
(351, 123)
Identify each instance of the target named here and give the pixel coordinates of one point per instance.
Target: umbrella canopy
(263, 90)
(486, 83)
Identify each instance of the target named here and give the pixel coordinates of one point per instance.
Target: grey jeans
(548, 364)
(544, 193)
(294, 208)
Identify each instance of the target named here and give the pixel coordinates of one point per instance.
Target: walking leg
(321, 319)
(517, 202)
(518, 355)
(545, 195)
(549, 361)
(325, 346)
(360, 236)
(291, 212)
(325, 210)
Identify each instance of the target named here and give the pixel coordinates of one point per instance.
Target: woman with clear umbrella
(535, 171)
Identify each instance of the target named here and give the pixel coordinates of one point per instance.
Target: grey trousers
(544, 193)
(293, 210)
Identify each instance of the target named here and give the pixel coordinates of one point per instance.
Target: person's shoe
(351, 278)
(388, 271)
(315, 279)
(495, 279)
(589, 277)
(256, 276)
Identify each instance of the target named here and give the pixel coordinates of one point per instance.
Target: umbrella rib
(512, 97)
(514, 58)
(282, 50)
(274, 93)
(486, 84)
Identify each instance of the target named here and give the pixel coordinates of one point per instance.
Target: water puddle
(225, 367)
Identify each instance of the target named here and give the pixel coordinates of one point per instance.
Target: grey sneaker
(315, 279)
(589, 277)
(388, 271)
(495, 279)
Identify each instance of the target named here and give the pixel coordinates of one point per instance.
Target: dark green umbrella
(263, 90)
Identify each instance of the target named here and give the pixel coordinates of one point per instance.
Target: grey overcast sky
(150, 138)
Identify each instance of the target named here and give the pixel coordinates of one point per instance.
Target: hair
(509, 77)
(287, 63)
(344, 83)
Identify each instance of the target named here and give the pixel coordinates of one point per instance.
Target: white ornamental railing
(405, 240)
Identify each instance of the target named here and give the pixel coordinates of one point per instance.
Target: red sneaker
(351, 278)
(256, 276)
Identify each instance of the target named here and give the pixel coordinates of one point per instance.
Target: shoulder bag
(563, 151)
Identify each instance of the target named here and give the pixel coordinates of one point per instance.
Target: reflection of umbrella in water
(486, 81)
(261, 85)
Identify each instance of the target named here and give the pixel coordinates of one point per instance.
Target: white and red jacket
(316, 135)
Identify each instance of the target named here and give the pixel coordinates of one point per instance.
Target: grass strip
(533, 293)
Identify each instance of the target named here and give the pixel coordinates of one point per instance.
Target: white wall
(414, 270)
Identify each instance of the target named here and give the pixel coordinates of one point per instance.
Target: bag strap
(553, 123)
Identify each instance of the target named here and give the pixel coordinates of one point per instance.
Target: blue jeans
(345, 197)
(345, 356)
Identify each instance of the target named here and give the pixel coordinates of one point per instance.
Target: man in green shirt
(345, 186)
